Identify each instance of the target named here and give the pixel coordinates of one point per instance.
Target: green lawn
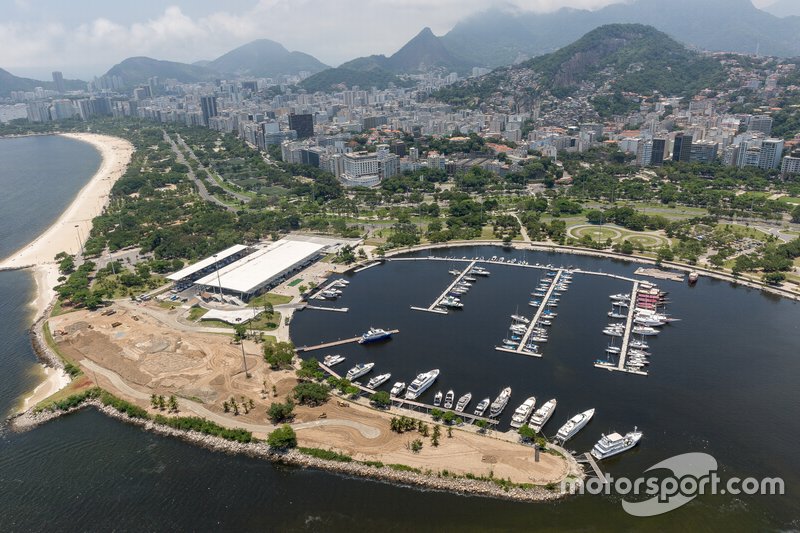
(195, 313)
(789, 200)
(298, 281)
(274, 299)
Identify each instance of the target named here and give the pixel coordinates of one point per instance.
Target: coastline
(427, 480)
(61, 235)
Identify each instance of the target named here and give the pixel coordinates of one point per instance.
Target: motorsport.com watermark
(693, 474)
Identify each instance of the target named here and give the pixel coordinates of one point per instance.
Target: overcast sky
(86, 37)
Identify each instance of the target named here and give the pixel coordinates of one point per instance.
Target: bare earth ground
(142, 356)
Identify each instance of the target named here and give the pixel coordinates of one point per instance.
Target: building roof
(253, 271)
(204, 263)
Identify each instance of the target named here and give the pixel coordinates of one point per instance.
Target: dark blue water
(722, 381)
(39, 177)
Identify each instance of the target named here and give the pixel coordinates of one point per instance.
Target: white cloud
(333, 31)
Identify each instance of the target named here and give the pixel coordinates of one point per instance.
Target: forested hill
(617, 57)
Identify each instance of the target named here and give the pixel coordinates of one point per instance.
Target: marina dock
(535, 320)
(432, 308)
(626, 338)
(336, 309)
(402, 403)
(595, 468)
(336, 343)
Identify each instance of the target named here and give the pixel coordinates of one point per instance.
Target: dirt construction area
(134, 355)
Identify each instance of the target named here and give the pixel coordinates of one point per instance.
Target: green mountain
(136, 70)
(501, 37)
(423, 53)
(340, 78)
(620, 57)
(265, 58)
(9, 82)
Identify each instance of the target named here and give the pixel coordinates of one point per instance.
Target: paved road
(368, 432)
(240, 197)
(201, 187)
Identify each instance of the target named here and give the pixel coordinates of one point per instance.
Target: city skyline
(36, 39)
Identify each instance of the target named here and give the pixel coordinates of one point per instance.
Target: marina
(534, 323)
(411, 405)
(435, 307)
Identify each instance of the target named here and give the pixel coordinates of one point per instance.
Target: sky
(84, 38)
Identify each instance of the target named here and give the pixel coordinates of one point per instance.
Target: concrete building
(760, 123)
(704, 152)
(185, 277)
(302, 124)
(58, 80)
(366, 169)
(262, 269)
(771, 153)
(790, 165)
(682, 150)
(208, 104)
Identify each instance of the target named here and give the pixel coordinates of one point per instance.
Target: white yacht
(574, 425)
(421, 384)
(437, 400)
(523, 412)
(520, 318)
(542, 415)
(448, 399)
(374, 334)
(462, 402)
(377, 381)
(359, 370)
(644, 330)
(615, 443)
(482, 406)
(452, 302)
(500, 402)
(331, 360)
(397, 388)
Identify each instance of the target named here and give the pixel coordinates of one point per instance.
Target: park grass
(298, 281)
(789, 200)
(195, 313)
(745, 231)
(271, 297)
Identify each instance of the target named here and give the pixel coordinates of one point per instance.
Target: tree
(774, 278)
(416, 445)
(437, 432)
(595, 216)
(279, 355)
(173, 404)
(269, 310)
(381, 399)
(239, 332)
(482, 425)
(448, 417)
(281, 412)
(436, 413)
(527, 433)
(312, 394)
(309, 369)
(154, 401)
(282, 438)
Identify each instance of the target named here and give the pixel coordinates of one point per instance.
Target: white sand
(62, 236)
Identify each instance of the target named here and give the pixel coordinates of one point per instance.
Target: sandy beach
(62, 235)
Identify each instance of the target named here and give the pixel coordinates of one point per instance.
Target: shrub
(201, 425)
(282, 438)
(328, 455)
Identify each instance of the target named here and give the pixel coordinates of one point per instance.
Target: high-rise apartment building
(302, 124)
(208, 104)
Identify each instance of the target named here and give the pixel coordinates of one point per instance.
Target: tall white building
(791, 165)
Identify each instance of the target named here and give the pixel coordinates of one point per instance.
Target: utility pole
(244, 359)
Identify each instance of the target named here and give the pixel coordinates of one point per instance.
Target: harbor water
(722, 381)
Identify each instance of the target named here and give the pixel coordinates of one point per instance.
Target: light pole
(244, 360)
(219, 281)
(80, 240)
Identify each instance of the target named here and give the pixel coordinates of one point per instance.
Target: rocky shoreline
(467, 487)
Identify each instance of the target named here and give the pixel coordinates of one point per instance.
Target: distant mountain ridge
(497, 38)
(265, 59)
(259, 59)
(9, 82)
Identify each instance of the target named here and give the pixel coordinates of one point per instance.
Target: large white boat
(421, 384)
(449, 398)
(615, 443)
(374, 334)
(482, 406)
(644, 330)
(523, 412)
(331, 360)
(574, 425)
(377, 381)
(397, 388)
(500, 402)
(359, 370)
(451, 302)
(542, 415)
(462, 402)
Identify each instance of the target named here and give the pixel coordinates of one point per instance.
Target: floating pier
(535, 320)
(376, 263)
(626, 338)
(336, 309)
(596, 468)
(336, 343)
(432, 308)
